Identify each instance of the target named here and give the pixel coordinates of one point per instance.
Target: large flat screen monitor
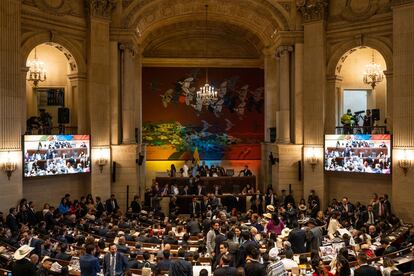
(360, 153)
(46, 155)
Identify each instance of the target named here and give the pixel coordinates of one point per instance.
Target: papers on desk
(56, 267)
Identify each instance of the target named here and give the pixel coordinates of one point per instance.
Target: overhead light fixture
(207, 94)
(37, 71)
(373, 73)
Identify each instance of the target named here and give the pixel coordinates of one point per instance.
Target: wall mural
(175, 122)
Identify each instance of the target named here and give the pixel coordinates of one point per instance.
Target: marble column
(271, 106)
(403, 114)
(333, 91)
(11, 102)
(283, 129)
(298, 97)
(78, 83)
(314, 80)
(389, 102)
(128, 92)
(99, 93)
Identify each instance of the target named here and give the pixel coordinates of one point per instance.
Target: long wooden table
(228, 184)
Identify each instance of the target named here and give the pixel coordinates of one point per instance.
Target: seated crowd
(275, 237)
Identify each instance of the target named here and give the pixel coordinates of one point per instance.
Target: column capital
(100, 8)
(388, 73)
(130, 47)
(312, 10)
(76, 76)
(283, 50)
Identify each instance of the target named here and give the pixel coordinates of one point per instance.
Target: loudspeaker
(300, 170)
(63, 115)
(140, 159)
(137, 135)
(113, 171)
(375, 114)
(272, 134)
(273, 159)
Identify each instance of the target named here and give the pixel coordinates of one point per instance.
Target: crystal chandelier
(206, 94)
(373, 73)
(37, 71)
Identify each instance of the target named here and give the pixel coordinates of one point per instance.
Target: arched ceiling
(193, 39)
(175, 28)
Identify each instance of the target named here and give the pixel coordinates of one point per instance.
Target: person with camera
(368, 122)
(348, 120)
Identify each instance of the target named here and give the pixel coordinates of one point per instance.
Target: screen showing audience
(363, 153)
(56, 155)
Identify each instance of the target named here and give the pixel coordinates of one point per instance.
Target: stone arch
(260, 17)
(72, 53)
(346, 48)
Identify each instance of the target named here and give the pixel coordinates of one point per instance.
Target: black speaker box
(113, 171)
(140, 159)
(375, 114)
(63, 115)
(272, 134)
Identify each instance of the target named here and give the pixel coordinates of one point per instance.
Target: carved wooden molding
(401, 2)
(350, 14)
(313, 10)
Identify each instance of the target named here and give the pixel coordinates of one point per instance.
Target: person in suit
(165, 263)
(200, 190)
(89, 264)
(11, 220)
(112, 205)
(368, 217)
(253, 266)
(100, 208)
(195, 208)
(22, 266)
(364, 269)
(271, 198)
(26, 238)
(224, 268)
(193, 226)
(136, 207)
(204, 204)
(181, 267)
(62, 255)
(122, 247)
(387, 206)
(346, 209)
(222, 250)
(114, 263)
(186, 190)
(388, 248)
(297, 238)
(245, 171)
(257, 203)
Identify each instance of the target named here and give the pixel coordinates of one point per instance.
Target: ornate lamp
(207, 93)
(373, 73)
(37, 71)
(9, 166)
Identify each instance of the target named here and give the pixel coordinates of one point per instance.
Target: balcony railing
(361, 130)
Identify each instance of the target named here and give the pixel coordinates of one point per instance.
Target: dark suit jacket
(23, 267)
(37, 245)
(120, 267)
(297, 238)
(197, 209)
(89, 265)
(255, 268)
(100, 208)
(225, 271)
(180, 267)
(163, 265)
(109, 207)
(365, 270)
(12, 223)
(136, 208)
(365, 217)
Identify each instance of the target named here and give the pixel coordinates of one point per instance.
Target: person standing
(114, 263)
(89, 264)
(181, 267)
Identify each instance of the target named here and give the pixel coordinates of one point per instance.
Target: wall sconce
(404, 162)
(313, 158)
(101, 160)
(9, 166)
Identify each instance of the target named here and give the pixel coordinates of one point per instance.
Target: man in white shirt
(288, 262)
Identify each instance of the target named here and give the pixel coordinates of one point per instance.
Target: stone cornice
(207, 62)
(100, 8)
(312, 10)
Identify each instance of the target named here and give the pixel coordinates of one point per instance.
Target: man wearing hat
(22, 266)
(276, 267)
